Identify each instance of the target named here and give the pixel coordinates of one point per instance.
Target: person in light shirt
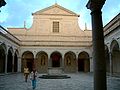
(33, 77)
(26, 73)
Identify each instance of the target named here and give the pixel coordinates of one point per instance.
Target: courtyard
(78, 81)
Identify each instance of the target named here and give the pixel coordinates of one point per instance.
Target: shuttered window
(56, 27)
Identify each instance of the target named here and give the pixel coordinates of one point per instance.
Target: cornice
(57, 45)
(41, 35)
(112, 22)
(57, 14)
(112, 25)
(53, 6)
(8, 34)
(88, 41)
(10, 39)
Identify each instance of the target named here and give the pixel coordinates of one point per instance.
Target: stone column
(34, 63)
(49, 62)
(98, 44)
(19, 64)
(77, 62)
(62, 65)
(6, 57)
(62, 61)
(13, 62)
(34, 60)
(111, 65)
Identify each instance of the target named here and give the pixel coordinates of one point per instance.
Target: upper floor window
(55, 26)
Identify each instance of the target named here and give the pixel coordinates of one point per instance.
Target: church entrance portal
(27, 60)
(83, 62)
(56, 58)
(81, 65)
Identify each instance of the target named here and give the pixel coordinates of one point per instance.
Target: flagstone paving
(78, 81)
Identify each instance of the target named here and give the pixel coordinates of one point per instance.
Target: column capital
(95, 4)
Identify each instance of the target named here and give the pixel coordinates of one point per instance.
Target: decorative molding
(57, 45)
(55, 18)
(54, 6)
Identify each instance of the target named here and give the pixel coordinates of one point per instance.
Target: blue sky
(15, 12)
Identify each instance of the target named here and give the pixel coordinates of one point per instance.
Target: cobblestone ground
(79, 81)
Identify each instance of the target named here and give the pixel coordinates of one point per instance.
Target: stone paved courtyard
(79, 81)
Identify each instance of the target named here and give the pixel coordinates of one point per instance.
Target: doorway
(56, 59)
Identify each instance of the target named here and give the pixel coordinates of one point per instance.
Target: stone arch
(27, 60)
(4, 47)
(107, 58)
(42, 62)
(83, 62)
(70, 62)
(10, 60)
(114, 47)
(56, 59)
(2, 58)
(16, 61)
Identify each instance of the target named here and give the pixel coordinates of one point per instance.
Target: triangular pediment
(55, 10)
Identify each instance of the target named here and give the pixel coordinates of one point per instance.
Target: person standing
(33, 77)
(26, 73)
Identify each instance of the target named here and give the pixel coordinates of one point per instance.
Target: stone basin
(54, 76)
(55, 73)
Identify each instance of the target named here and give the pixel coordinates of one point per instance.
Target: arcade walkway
(79, 81)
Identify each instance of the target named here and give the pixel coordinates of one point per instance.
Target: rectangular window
(55, 26)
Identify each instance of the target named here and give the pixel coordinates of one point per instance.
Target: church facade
(54, 41)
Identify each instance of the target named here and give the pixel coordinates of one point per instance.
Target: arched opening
(56, 59)
(9, 60)
(107, 59)
(42, 62)
(15, 62)
(70, 62)
(83, 62)
(115, 56)
(2, 59)
(27, 60)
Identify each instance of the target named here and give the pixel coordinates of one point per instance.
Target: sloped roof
(53, 8)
